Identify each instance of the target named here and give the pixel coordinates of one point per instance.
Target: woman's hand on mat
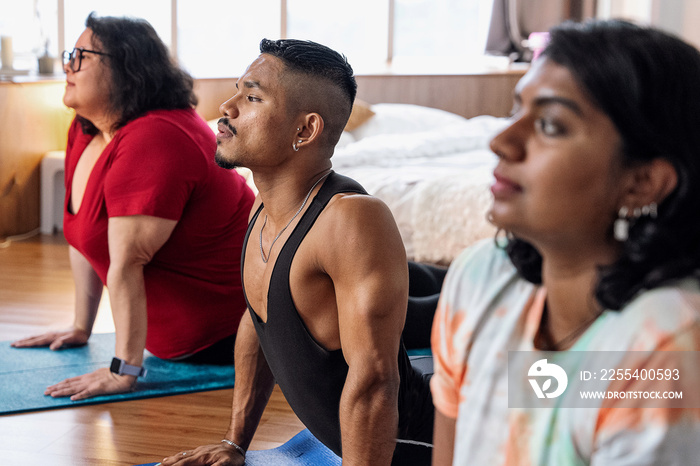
(55, 340)
(100, 382)
(218, 454)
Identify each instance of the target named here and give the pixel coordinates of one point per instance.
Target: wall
(469, 95)
(33, 120)
(680, 17)
(466, 95)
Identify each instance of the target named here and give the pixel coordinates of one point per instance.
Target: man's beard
(223, 163)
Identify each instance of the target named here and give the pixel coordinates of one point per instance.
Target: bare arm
(133, 241)
(370, 275)
(443, 439)
(251, 392)
(254, 384)
(88, 291)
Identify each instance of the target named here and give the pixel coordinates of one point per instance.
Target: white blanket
(436, 183)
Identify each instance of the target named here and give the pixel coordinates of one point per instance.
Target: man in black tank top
(324, 272)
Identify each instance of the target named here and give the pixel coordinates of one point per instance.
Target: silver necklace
(555, 346)
(262, 253)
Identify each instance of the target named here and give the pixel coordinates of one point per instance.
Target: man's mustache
(224, 121)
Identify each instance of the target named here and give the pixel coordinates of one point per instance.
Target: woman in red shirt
(148, 213)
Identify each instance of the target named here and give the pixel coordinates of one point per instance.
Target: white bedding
(435, 180)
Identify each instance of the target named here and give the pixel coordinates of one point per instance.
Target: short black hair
(646, 82)
(314, 59)
(144, 77)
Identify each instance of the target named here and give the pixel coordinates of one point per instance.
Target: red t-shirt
(162, 165)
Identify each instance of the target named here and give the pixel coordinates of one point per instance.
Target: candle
(6, 52)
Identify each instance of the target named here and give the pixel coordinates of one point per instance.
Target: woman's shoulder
(481, 263)
(677, 302)
(483, 277)
(171, 132)
(179, 120)
(659, 316)
(483, 305)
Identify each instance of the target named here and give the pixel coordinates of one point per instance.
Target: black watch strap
(119, 366)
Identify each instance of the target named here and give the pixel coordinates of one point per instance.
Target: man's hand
(55, 340)
(218, 454)
(100, 382)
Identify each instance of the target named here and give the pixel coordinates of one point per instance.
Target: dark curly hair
(646, 82)
(144, 77)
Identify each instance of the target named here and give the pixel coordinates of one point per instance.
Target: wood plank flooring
(36, 294)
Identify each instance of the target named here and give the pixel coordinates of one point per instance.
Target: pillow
(404, 118)
(361, 112)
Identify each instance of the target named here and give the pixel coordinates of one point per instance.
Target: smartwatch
(120, 367)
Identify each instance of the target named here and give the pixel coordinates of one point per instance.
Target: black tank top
(311, 377)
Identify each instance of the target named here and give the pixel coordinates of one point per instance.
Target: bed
(432, 168)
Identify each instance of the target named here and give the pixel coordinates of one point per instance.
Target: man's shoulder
(356, 225)
(355, 210)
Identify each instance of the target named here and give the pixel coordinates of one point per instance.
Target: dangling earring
(650, 210)
(621, 227)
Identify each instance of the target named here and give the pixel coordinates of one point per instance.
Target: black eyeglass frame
(69, 58)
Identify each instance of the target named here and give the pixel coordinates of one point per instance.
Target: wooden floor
(36, 294)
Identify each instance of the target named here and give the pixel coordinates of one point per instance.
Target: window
(429, 30)
(214, 38)
(358, 28)
(221, 38)
(156, 12)
(28, 30)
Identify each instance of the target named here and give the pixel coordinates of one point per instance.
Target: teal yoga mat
(25, 373)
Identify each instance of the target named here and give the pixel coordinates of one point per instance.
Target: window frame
(389, 62)
(174, 22)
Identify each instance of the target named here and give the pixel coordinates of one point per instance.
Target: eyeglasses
(69, 58)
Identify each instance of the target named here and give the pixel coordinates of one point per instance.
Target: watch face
(116, 365)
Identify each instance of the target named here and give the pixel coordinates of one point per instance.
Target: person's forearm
(253, 387)
(369, 420)
(443, 439)
(127, 295)
(88, 291)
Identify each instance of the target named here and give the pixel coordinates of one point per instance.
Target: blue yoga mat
(301, 450)
(25, 373)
